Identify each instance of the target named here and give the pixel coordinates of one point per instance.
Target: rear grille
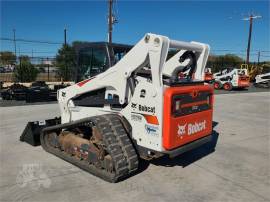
(190, 103)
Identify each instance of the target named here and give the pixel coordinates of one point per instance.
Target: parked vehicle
(263, 80)
(231, 78)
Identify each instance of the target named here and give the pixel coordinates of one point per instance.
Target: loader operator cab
(94, 58)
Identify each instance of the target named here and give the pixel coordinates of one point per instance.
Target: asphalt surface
(13, 103)
(251, 89)
(238, 169)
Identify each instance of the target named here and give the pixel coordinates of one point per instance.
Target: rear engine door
(188, 112)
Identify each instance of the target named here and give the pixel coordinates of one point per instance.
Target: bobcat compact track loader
(138, 108)
(231, 78)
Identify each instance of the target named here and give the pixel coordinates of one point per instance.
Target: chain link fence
(44, 66)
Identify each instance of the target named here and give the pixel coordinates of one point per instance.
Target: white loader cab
(230, 78)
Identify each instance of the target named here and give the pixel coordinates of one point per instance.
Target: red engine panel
(188, 112)
(208, 76)
(243, 81)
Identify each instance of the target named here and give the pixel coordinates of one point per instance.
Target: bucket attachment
(31, 133)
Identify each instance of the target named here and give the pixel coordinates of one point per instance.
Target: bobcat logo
(181, 129)
(191, 128)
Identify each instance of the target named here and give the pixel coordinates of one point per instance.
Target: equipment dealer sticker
(152, 130)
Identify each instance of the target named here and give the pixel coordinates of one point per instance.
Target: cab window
(92, 61)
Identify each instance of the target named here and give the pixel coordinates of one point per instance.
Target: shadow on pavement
(186, 158)
(190, 156)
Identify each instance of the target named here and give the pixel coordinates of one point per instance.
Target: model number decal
(135, 117)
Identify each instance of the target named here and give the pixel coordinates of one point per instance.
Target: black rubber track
(115, 139)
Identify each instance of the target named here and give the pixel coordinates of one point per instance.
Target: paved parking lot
(238, 169)
(251, 89)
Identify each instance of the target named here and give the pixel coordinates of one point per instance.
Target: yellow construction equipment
(253, 70)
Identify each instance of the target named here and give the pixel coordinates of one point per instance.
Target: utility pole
(249, 38)
(20, 77)
(110, 3)
(65, 36)
(250, 18)
(111, 20)
(48, 69)
(65, 57)
(14, 40)
(259, 55)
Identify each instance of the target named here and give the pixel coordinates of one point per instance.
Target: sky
(217, 23)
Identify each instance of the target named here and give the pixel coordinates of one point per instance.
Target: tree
(66, 61)
(217, 63)
(25, 71)
(24, 58)
(7, 58)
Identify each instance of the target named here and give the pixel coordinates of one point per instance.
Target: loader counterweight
(187, 114)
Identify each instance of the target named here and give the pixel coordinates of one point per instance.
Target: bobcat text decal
(191, 128)
(143, 108)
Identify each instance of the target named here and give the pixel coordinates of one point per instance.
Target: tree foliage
(217, 63)
(7, 58)
(25, 71)
(66, 61)
(24, 58)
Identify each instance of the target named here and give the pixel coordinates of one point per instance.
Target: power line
(231, 50)
(38, 51)
(30, 41)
